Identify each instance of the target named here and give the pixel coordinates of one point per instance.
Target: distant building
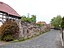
(41, 22)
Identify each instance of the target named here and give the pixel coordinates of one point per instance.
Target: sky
(44, 10)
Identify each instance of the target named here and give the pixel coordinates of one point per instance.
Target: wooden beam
(2, 18)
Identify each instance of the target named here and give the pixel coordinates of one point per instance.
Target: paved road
(47, 40)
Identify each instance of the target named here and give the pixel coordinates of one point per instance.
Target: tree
(33, 18)
(56, 21)
(62, 23)
(28, 19)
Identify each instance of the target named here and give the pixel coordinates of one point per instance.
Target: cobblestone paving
(47, 40)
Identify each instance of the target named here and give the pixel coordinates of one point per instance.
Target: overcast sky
(45, 10)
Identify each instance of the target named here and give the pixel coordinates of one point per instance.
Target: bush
(9, 31)
(7, 38)
(28, 19)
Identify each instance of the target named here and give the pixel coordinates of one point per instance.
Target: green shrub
(7, 38)
(28, 19)
(9, 31)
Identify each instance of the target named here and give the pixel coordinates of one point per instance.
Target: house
(8, 13)
(41, 22)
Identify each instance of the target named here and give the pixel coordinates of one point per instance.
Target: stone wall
(31, 29)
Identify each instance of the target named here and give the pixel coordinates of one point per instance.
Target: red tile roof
(6, 8)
